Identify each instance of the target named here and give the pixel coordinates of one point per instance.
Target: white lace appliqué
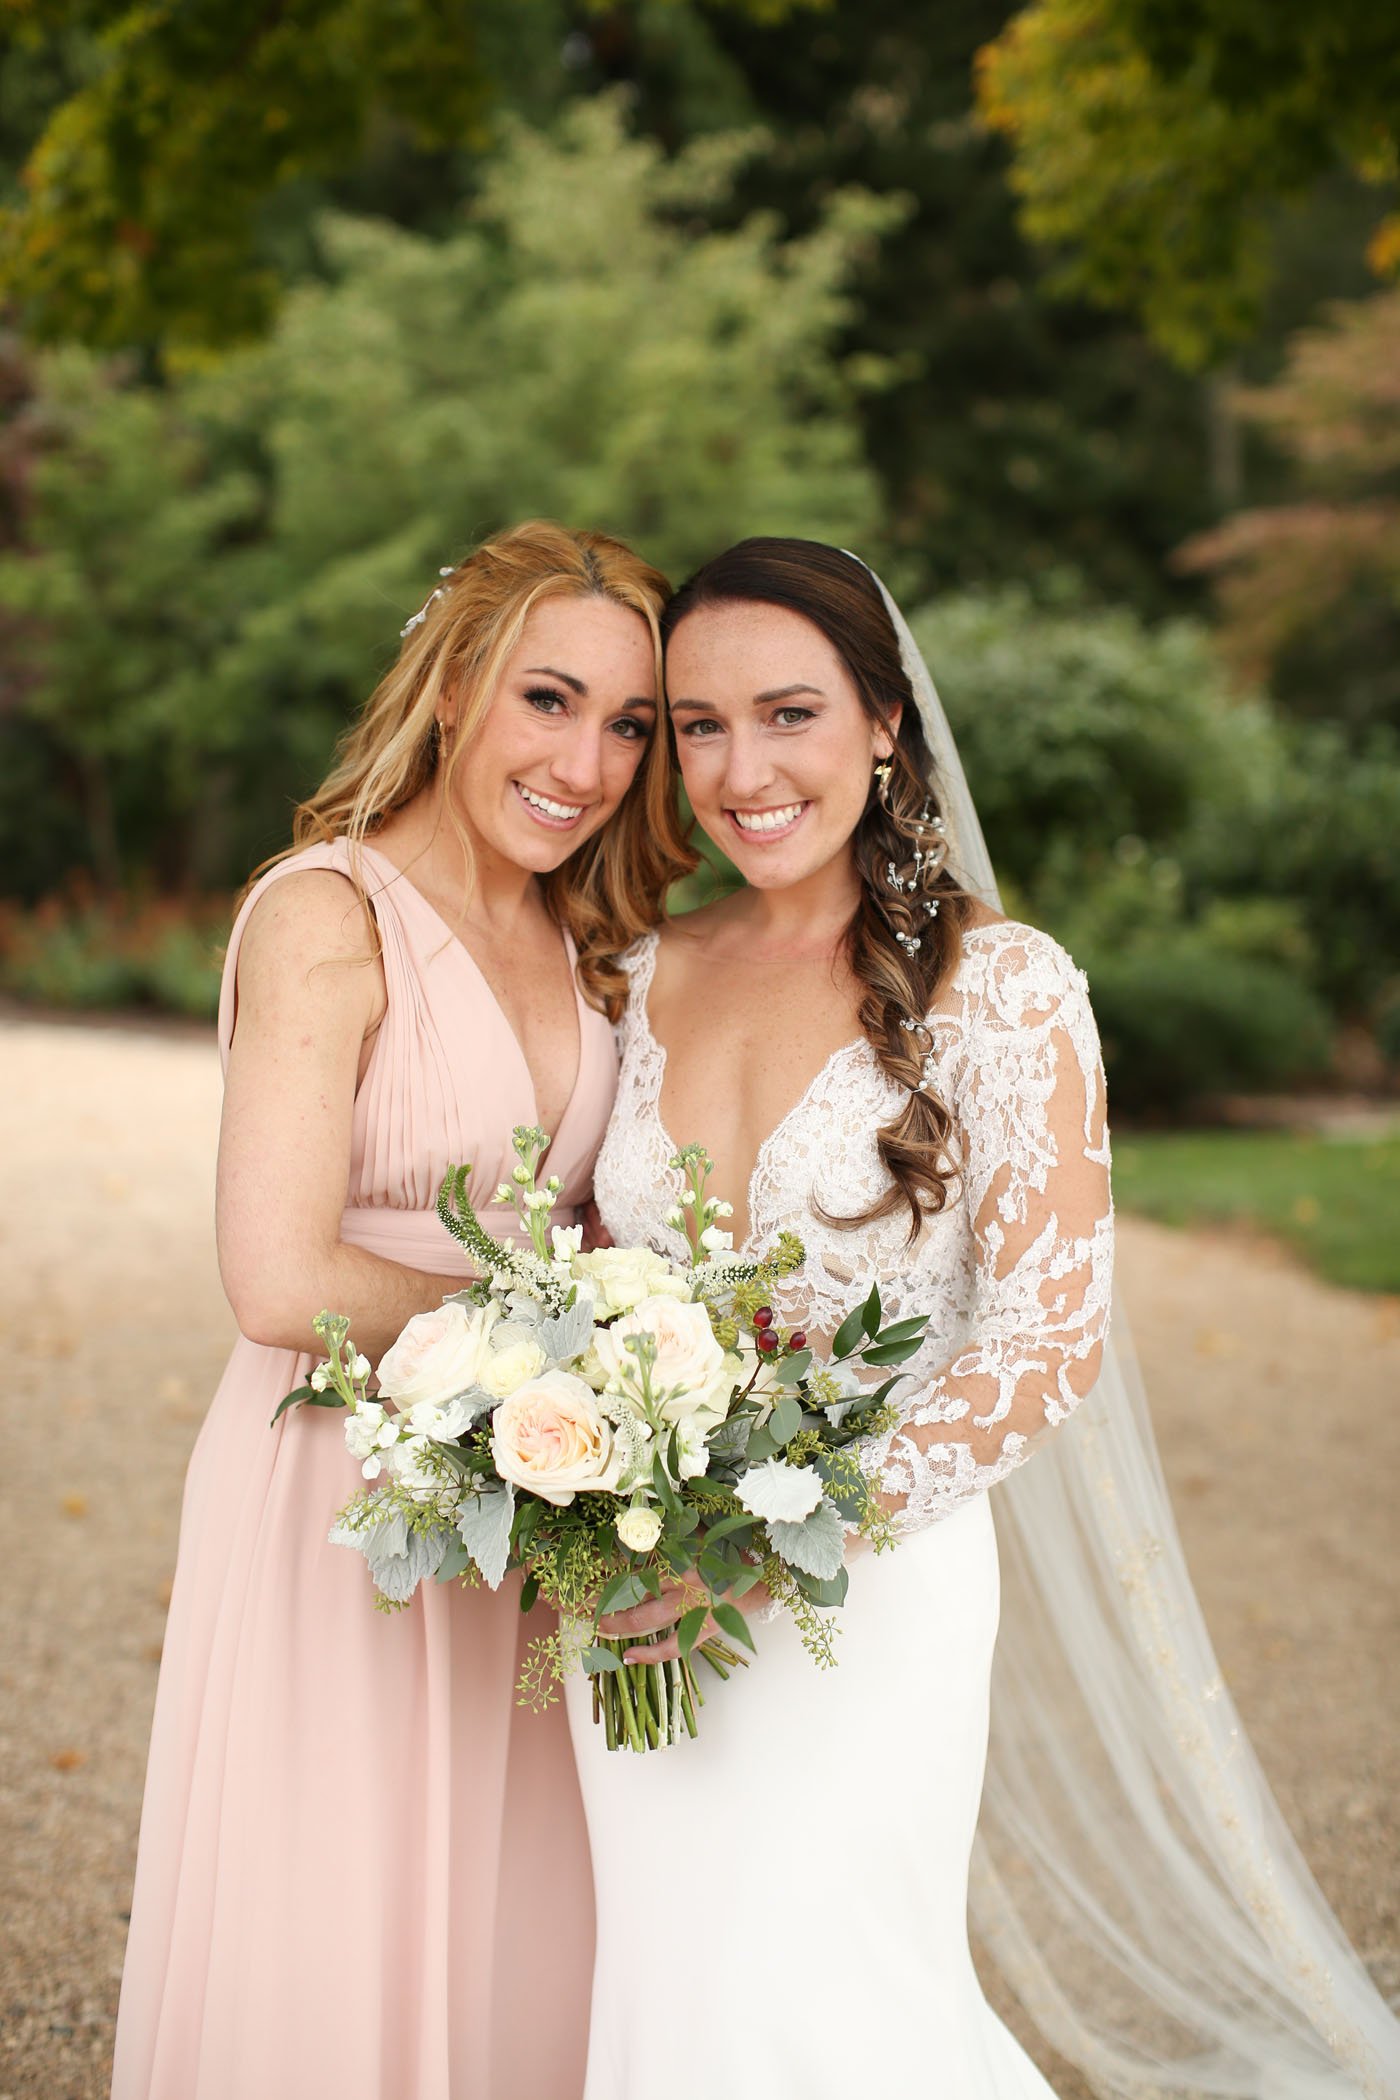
(1014, 1273)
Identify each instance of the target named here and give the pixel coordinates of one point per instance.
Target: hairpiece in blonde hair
(422, 613)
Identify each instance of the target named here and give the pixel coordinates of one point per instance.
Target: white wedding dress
(782, 1903)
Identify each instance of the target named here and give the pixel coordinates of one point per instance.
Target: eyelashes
(548, 701)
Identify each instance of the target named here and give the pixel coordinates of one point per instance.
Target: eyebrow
(576, 685)
(781, 692)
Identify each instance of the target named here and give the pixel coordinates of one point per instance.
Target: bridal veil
(1134, 1880)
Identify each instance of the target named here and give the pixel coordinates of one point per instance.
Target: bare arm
(310, 996)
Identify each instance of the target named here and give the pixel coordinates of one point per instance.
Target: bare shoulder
(311, 933)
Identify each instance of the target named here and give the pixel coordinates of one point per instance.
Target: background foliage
(1072, 317)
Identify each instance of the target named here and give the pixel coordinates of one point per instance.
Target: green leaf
(743, 1580)
(599, 1658)
(829, 1593)
(688, 1632)
(849, 1332)
(622, 1592)
(793, 1369)
(454, 1562)
(870, 1313)
(731, 1620)
(739, 1521)
(891, 1352)
(660, 1480)
(650, 1579)
(761, 1445)
(900, 1330)
(785, 1420)
(302, 1393)
(529, 1592)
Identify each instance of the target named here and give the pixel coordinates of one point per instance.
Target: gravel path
(1275, 1404)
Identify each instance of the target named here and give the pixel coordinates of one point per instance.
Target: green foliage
(215, 570)
(1151, 140)
(95, 952)
(1333, 1199)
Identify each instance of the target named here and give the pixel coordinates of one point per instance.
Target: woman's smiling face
(564, 734)
(775, 745)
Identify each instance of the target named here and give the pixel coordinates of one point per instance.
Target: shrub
(87, 951)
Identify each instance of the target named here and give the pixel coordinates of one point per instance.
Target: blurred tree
(1153, 137)
(1020, 432)
(164, 131)
(1309, 591)
(214, 571)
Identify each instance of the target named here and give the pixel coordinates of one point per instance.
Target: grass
(1335, 1200)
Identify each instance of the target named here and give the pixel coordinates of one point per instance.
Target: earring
(882, 781)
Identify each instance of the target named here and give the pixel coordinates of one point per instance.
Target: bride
(877, 1058)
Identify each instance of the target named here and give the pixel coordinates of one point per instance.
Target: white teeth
(767, 819)
(565, 811)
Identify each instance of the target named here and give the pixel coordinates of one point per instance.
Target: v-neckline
(663, 1056)
(456, 941)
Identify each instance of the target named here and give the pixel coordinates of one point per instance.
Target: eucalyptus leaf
(598, 1658)
(817, 1545)
(622, 1592)
(762, 1445)
(483, 1525)
(828, 1594)
(455, 1562)
(739, 1520)
(793, 1369)
(730, 1439)
(785, 1420)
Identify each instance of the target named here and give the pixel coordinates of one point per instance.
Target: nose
(577, 763)
(749, 772)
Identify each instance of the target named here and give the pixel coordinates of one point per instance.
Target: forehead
(751, 649)
(594, 639)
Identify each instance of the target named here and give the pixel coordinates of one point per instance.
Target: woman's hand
(654, 1614)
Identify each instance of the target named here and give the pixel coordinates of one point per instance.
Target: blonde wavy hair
(609, 891)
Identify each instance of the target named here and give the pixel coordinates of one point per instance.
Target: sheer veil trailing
(1133, 1879)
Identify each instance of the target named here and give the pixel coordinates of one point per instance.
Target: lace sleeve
(1029, 1099)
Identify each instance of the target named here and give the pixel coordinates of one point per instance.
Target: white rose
(639, 1529)
(690, 1368)
(780, 1494)
(510, 1365)
(438, 1355)
(624, 1276)
(552, 1437)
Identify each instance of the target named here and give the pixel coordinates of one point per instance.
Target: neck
(496, 891)
(806, 918)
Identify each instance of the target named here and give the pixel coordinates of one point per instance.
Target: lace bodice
(1014, 1273)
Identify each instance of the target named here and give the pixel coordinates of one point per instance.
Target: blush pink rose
(552, 1437)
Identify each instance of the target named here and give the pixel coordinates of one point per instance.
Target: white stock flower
(438, 1355)
(690, 1367)
(566, 1241)
(368, 1431)
(361, 1367)
(432, 1422)
(552, 1437)
(639, 1528)
(514, 1359)
(715, 1240)
(320, 1378)
(780, 1494)
(692, 1455)
(624, 1276)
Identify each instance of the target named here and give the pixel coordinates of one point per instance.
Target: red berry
(797, 1340)
(767, 1340)
(764, 1316)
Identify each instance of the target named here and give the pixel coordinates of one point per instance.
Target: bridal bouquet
(607, 1422)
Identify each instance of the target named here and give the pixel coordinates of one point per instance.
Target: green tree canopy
(1152, 141)
(215, 570)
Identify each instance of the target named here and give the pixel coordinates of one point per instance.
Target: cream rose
(511, 1362)
(639, 1529)
(438, 1355)
(552, 1437)
(690, 1370)
(624, 1276)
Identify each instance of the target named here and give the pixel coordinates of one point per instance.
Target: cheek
(623, 761)
(702, 766)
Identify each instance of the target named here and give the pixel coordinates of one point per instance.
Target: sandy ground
(1275, 1400)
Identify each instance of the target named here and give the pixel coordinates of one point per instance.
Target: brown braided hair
(905, 938)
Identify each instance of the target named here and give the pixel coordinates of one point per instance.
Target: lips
(767, 823)
(545, 809)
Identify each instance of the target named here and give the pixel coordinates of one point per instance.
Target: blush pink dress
(363, 1870)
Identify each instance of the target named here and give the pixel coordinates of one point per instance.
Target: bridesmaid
(362, 1870)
